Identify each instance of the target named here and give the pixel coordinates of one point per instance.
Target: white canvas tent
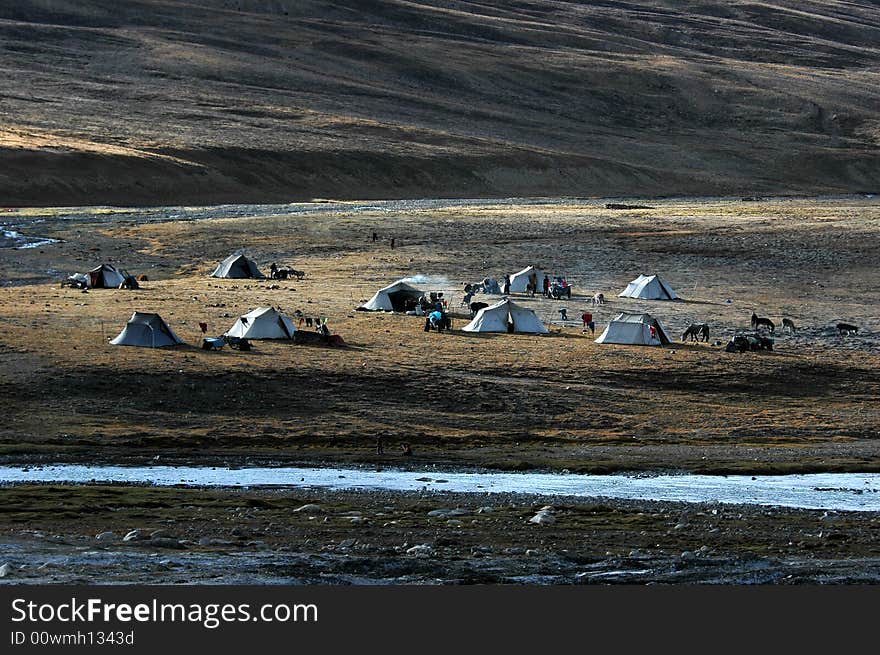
(506, 316)
(392, 298)
(237, 266)
(634, 330)
(519, 281)
(263, 323)
(146, 330)
(649, 287)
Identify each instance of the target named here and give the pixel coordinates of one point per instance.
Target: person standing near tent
(506, 290)
(587, 318)
(546, 291)
(533, 284)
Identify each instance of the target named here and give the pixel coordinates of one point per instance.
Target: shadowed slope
(256, 100)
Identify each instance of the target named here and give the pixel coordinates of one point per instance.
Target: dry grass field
(505, 401)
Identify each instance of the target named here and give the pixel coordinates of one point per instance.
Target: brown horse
(758, 321)
(697, 332)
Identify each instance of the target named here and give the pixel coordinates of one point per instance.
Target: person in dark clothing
(506, 285)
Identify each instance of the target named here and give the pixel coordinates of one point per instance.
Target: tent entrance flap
(398, 299)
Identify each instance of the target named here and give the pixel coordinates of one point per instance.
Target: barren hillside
(166, 101)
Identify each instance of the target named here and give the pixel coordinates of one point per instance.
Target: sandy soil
(499, 401)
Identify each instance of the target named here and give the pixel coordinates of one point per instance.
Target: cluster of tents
(151, 331)
(508, 316)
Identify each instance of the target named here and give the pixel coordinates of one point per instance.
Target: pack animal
(788, 324)
(759, 321)
(847, 328)
(696, 332)
(477, 306)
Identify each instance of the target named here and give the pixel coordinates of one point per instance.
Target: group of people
(553, 286)
(434, 307)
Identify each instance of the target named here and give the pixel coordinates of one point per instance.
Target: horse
(599, 299)
(696, 332)
(286, 273)
(758, 321)
(847, 328)
(477, 306)
(788, 324)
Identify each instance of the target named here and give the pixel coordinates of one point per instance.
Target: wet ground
(192, 536)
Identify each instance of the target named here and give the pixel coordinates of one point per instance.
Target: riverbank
(59, 534)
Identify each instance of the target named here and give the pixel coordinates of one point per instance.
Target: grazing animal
(758, 321)
(599, 299)
(287, 273)
(847, 328)
(477, 306)
(788, 324)
(742, 343)
(696, 332)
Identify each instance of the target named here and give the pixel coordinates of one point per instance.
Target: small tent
(263, 323)
(506, 316)
(146, 330)
(392, 298)
(237, 266)
(634, 330)
(649, 287)
(104, 276)
(519, 281)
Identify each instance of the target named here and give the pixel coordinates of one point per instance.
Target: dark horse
(477, 306)
(758, 321)
(697, 332)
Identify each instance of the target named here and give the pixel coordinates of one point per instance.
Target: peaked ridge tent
(634, 330)
(649, 287)
(104, 276)
(146, 330)
(237, 266)
(262, 323)
(392, 298)
(506, 316)
(519, 281)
